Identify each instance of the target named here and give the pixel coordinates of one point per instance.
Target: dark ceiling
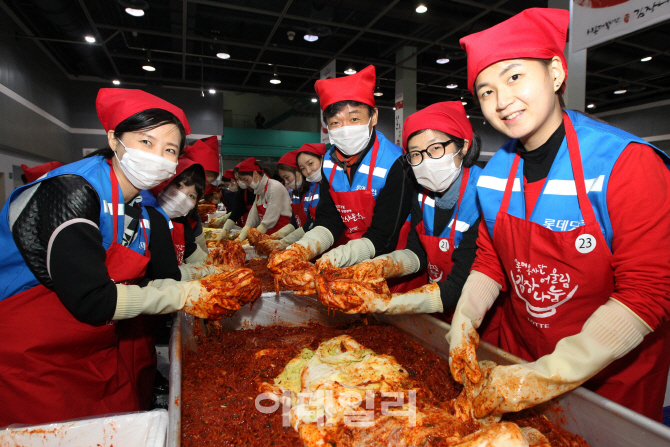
(182, 37)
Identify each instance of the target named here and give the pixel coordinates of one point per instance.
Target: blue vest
(387, 154)
(468, 210)
(15, 276)
(557, 207)
(294, 199)
(312, 197)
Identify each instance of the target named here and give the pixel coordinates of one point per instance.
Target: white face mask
(351, 140)
(241, 184)
(232, 188)
(253, 185)
(296, 184)
(437, 175)
(174, 202)
(145, 170)
(314, 177)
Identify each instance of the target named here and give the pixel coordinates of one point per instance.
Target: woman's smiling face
(518, 98)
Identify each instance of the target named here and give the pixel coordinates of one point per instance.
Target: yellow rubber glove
(351, 253)
(610, 333)
(478, 295)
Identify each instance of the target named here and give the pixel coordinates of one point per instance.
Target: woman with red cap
(206, 153)
(229, 190)
(244, 200)
(575, 223)
(178, 198)
(441, 148)
(297, 187)
(365, 191)
(32, 174)
(271, 210)
(77, 258)
(305, 164)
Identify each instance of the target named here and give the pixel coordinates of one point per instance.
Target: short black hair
(193, 175)
(473, 153)
(336, 107)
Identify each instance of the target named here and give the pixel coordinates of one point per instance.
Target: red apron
(312, 209)
(283, 220)
(179, 241)
(558, 280)
(356, 209)
(243, 220)
(299, 212)
(61, 368)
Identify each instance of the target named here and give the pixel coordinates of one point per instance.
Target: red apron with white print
(283, 220)
(558, 280)
(299, 212)
(65, 369)
(356, 209)
(243, 219)
(312, 208)
(179, 241)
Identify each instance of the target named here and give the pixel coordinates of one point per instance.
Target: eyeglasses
(434, 151)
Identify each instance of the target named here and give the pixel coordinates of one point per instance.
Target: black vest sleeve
(463, 257)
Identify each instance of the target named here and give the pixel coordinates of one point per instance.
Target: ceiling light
(310, 37)
(212, 91)
(452, 85)
(314, 100)
(350, 70)
(421, 8)
(90, 39)
(135, 12)
(223, 55)
(442, 60)
(645, 59)
(116, 82)
(467, 116)
(619, 92)
(148, 68)
(378, 91)
(394, 108)
(465, 103)
(591, 106)
(275, 79)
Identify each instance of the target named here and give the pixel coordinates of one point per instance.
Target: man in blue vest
(366, 193)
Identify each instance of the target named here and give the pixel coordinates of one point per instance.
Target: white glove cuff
(293, 237)
(262, 228)
(197, 257)
(478, 295)
(192, 272)
(228, 225)
(285, 231)
(405, 258)
(129, 301)
(616, 328)
(317, 240)
(362, 249)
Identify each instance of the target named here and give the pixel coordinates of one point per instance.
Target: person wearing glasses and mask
(365, 191)
(81, 253)
(441, 148)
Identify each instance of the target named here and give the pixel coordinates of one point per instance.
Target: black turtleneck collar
(537, 163)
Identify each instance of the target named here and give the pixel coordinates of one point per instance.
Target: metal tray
(600, 421)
